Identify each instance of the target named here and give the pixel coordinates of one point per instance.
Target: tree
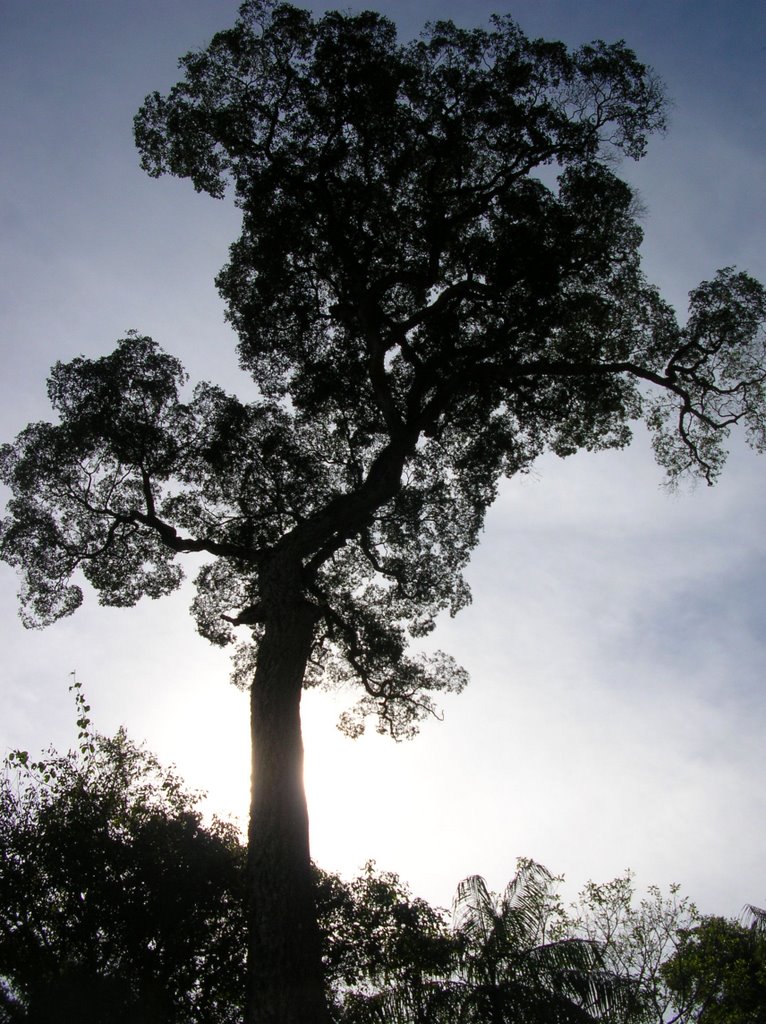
(518, 961)
(117, 904)
(637, 938)
(718, 974)
(510, 958)
(437, 279)
(756, 918)
(388, 956)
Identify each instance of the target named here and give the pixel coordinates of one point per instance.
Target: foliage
(116, 903)
(508, 959)
(525, 957)
(518, 961)
(424, 307)
(755, 917)
(121, 905)
(438, 279)
(718, 973)
(384, 949)
(637, 937)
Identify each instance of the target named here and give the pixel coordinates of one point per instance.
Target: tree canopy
(718, 972)
(117, 902)
(438, 279)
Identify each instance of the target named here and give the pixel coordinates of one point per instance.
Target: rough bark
(285, 976)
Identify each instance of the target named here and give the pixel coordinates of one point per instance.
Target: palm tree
(508, 959)
(515, 963)
(755, 918)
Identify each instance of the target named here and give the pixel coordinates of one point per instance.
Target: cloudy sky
(616, 715)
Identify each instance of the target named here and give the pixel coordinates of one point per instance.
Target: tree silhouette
(437, 280)
(637, 938)
(120, 905)
(117, 904)
(518, 963)
(388, 956)
(510, 958)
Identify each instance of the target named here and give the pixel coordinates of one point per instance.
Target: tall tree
(437, 279)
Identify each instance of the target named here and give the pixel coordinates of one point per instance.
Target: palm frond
(527, 902)
(754, 918)
(474, 911)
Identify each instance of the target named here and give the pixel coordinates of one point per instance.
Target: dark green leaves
(116, 902)
(718, 973)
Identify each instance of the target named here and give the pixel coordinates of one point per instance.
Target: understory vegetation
(119, 903)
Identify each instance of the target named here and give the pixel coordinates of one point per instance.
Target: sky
(616, 715)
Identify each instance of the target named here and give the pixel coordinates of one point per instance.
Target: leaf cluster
(718, 972)
(116, 902)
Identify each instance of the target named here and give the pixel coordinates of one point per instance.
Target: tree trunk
(285, 984)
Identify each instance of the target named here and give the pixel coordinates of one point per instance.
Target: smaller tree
(386, 953)
(518, 959)
(117, 904)
(755, 917)
(637, 938)
(718, 974)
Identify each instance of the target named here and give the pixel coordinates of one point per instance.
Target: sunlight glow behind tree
(422, 316)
